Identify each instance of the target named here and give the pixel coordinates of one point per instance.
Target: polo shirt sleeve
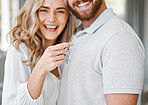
(16, 75)
(123, 64)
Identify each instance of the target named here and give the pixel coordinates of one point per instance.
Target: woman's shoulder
(21, 47)
(22, 50)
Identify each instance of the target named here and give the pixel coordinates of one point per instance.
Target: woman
(31, 67)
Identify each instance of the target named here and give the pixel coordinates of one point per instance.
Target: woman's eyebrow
(61, 8)
(56, 8)
(44, 7)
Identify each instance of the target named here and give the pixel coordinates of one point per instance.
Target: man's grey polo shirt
(106, 58)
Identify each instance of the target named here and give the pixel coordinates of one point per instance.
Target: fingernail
(71, 43)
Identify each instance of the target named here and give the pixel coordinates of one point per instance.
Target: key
(67, 54)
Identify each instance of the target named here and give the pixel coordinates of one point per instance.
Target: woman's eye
(43, 10)
(60, 11)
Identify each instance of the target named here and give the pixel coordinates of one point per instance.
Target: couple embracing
(104, 66)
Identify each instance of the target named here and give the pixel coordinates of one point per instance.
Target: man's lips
(82, 4)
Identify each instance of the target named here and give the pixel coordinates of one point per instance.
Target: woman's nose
(52, 17)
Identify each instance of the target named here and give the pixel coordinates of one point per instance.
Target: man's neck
(89, 22)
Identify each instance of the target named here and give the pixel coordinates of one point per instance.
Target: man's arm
(121, 99)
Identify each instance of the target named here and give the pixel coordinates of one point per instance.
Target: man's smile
(82, 4)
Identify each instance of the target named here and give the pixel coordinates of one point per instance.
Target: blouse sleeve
(16, 76)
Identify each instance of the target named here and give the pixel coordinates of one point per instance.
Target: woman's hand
(53, 57)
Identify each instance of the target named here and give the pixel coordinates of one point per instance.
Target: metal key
(67, 54)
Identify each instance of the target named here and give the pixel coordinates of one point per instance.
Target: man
(106, 64)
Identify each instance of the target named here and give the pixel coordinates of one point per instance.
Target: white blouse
(16, 76)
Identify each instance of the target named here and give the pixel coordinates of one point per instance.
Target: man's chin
(84, 17)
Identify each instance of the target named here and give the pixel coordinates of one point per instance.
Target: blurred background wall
(135, 12)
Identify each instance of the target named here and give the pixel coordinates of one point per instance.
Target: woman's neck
(56, 73)
(49, 43)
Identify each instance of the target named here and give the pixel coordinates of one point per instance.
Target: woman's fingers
(54, 56)
(59, 52)
(59, 62)
(60, 57)
(60, 46)
(54, 64)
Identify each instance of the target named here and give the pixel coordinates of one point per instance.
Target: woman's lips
(51, 27)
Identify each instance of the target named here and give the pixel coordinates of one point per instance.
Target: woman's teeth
(83, 4)
(51, 27)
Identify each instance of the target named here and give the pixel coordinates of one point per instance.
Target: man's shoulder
(115, 24)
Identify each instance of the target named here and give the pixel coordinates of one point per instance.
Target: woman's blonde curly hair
(26, 30)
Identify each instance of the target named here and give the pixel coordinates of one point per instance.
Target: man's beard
(86, 15)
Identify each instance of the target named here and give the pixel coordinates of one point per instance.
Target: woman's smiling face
(53, 16)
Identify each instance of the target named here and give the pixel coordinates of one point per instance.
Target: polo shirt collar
(100, 21)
